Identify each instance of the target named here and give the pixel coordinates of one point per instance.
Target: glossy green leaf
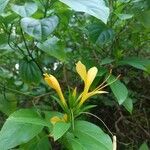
(53, 48)
(3, 4)
(28, 116)
(119, 89)
(144, 146)
(39, 29)
(59, 129)
(87, 136)
(128, 104)
(25, 10)
(29, 71)
(96, 8)
(19, 128)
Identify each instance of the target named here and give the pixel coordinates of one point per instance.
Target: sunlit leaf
(25, 10)
(96, 8)
(39, 29)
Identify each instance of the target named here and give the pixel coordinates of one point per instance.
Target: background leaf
(25, 10)
(39, 29)
(138, 63)
(96, 8)
(100, 34)
(8, 103)
(29, 71)
(3, 4)
(53, 48)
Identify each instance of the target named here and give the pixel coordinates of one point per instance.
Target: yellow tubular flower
(88, 78)
(53, 83)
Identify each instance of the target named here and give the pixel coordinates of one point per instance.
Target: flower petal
(81, 70)
(91, 74)
(90, 94)
(53, 83)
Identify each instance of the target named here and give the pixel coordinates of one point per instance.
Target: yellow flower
(53, 83)
(88, 78)
(56, 119)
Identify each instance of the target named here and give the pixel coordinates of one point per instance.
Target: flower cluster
(88, 77)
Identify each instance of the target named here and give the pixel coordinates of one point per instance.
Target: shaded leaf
(100, 34)
(8, 103)
(128, 104)
(53, 48)
(29, 71)
(144, 146)
(136, 62)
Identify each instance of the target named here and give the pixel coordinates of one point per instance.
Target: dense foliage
(53, 36)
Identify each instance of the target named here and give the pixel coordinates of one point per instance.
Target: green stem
(72, 119)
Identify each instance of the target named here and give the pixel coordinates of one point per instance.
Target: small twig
(16, 45)
(88, 113)
(46, 8)
(29, 53)
(15, 91)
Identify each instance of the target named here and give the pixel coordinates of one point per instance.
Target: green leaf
(19, 128)
(144, 146)
(136, 62)
(53, 48)
(39, 29)
(59, 129)
(87, 136)
(13, 134)
(8, 103)
(37, 143)
(26, 10)
(100, 34)
(3, 4)
(96, 8)
(119, 89)
(28, 116)
(128, 104)
(29, 71)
